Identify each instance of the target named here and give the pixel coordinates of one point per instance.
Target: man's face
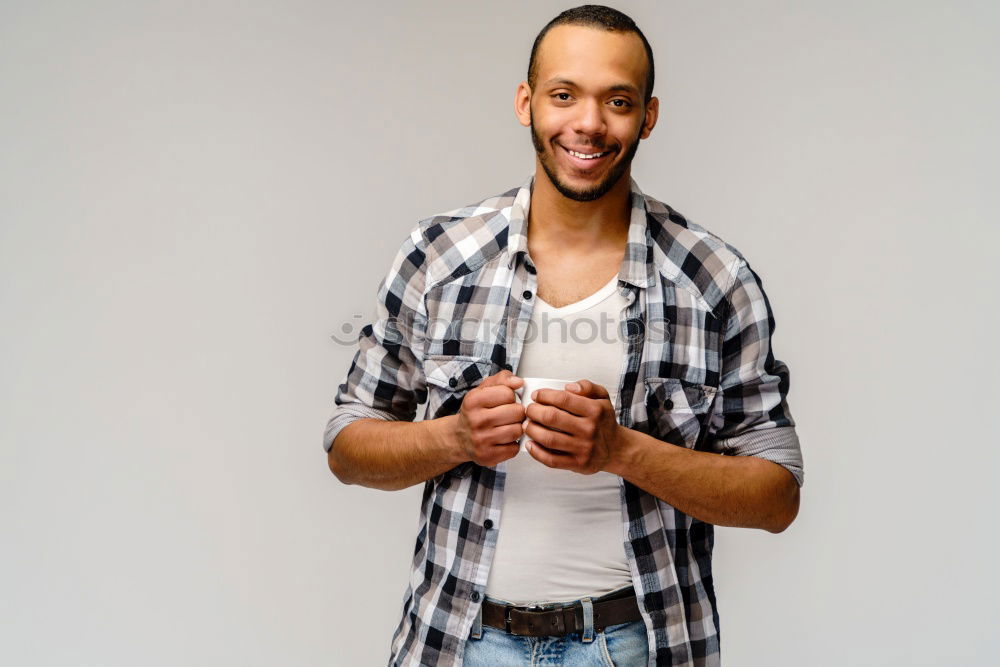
(588, 100)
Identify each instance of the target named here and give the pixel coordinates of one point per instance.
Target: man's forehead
(575, 53)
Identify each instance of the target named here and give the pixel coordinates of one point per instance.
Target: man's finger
(548, 457)
(588, 389)
(492, 380)
(492, 396)
(554, 441)
(571, 402)
(503, 414)
(553, 416)
(502, 452)
(504, 377)
(504, 435)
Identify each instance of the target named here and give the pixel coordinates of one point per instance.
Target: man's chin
(582, 195)
(587, 193)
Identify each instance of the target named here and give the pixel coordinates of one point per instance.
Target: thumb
(504, 377)
(588, 389)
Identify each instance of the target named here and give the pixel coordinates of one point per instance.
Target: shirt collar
(636, 267)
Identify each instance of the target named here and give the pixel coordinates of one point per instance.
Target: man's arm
(371, 438)
(738, 491)
(377, 402)
(395, 455)
(756, 487)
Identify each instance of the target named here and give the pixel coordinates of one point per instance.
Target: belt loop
(477, 624)
(588, 620)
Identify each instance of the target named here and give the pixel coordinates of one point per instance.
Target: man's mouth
(586, 159)
(587, 156)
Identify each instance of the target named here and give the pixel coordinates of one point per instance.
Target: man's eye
(561, 98)
(624, 103)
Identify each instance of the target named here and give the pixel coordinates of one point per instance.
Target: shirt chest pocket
(676, 409)
(449, 379)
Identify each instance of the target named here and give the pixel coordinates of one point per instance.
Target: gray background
(195, 196)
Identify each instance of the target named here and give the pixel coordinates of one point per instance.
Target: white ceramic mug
(524, 392)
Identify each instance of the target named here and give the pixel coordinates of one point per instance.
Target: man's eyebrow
(624, 87)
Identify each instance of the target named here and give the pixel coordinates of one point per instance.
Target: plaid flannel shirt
(699, 372)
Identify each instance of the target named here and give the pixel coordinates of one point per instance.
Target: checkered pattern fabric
(699, 372)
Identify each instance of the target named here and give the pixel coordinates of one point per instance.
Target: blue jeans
(617, 645)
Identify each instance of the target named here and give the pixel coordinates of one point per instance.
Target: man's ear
(522, 103)
(652, 113)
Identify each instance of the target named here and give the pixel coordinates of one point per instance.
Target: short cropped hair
(593, 16)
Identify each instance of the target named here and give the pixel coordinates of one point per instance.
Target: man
(595, 542)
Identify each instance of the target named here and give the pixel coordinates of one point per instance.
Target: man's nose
(590, 118)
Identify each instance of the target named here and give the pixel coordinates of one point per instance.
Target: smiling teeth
(585, 156)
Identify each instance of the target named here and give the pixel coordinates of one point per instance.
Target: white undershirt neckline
(582, 304)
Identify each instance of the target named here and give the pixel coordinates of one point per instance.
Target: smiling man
(593, 545)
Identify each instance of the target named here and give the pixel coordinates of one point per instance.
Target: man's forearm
(393, 455)
(739, 491)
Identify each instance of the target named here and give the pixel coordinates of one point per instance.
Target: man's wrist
(444, 436)
(624, 453)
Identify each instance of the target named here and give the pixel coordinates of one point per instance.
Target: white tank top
(561, 534)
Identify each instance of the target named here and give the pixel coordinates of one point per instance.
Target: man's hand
(489, 421)
(573, 429)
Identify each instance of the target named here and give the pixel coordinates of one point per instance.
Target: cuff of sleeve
(779, 445)
(351, 412)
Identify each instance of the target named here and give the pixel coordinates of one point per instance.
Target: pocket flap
(456, 372)
(675, 409)
(679, 395)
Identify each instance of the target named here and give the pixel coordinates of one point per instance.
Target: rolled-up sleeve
(755, 419)
(385, 379)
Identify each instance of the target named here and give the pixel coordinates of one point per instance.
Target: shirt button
(488, 524)
(668, 404)
(527, 294)
(530, 268)
(475, 596)
(452, 382)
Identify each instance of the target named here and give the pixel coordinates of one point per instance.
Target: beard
(588, 194)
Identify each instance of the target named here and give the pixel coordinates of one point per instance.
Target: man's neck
(578, 227)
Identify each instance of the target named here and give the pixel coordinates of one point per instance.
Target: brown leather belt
(611, 609)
